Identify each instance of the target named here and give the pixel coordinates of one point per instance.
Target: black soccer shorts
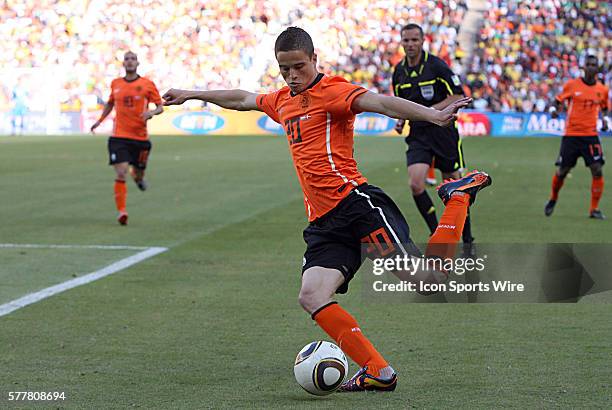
(589, 148)
(366, 217)
(443, 144)
(135, 152)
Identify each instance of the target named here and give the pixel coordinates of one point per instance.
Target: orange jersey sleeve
(584, 103)
(131, 99)
(267, 103)
(566, 92)
(318, 124)
(341, 96)
(153, 94)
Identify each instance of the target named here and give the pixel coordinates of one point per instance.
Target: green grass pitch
(214, 321)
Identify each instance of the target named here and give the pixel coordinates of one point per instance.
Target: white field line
(42, 246)
(124, 263)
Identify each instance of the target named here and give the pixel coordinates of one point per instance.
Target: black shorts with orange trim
(435, 143)
(572, 148)
(135, 152)
(366, 217)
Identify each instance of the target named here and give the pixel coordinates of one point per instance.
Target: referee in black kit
(425, 79)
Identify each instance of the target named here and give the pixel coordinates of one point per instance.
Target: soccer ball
(320, 368)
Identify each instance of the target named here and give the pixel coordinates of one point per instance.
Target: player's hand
(147, 115)
(94, 126)
(448, 115)
(175, 96)
(399, 126)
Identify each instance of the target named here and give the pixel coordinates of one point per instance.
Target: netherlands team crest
(305, 100)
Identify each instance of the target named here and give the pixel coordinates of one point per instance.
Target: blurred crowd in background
(528, 49)
(523, 54)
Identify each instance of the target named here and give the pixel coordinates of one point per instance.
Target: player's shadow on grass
(296, 398)
(332, 401)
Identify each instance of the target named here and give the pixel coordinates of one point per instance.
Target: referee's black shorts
(367, 219)
(432, 142)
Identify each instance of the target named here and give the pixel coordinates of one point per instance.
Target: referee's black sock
(427, 210)
(467, 230)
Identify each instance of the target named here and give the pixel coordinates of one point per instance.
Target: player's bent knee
(121, 171)
(305, 300)
(318, 287)
(311, 299)
(121, 176)
(562, 172)
(417, 187)
(596, 169)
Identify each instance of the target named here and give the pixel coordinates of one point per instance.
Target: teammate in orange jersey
(586, 97)
(317, 113)
(129, 143)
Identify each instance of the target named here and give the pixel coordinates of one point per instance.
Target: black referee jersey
(427, 83)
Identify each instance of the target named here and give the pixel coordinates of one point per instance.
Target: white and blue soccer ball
(320, 368)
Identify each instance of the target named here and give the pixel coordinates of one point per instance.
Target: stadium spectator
(360, 37)
(523, 52)
(527, 49)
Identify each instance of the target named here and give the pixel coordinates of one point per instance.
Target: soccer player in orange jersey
(317, 113)
(585, 97)
(129, 143)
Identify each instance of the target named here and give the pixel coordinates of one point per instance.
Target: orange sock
(557, 183)
(444, 240)
(431, 174)
(597, 187)
(120, 195)
(342, 327)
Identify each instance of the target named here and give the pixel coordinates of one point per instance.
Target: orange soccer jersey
(584, 104)
(319, 127)
(131, 99)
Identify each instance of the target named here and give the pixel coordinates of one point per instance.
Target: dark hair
(294, 38)
(591, 56)
(412, 26)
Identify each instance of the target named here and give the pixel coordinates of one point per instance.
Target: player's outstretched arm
(108, 107)
(447, 101)
(239, 100)
(399, 108)
(559, 102)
